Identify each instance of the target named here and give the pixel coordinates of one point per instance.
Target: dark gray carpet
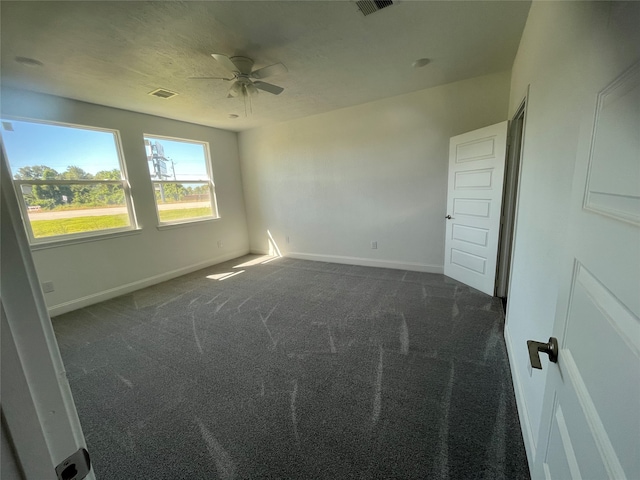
(295, 369)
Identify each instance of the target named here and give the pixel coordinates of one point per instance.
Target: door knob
(448, 217)
(550, 348)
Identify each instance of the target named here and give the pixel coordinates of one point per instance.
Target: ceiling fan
(243, 75)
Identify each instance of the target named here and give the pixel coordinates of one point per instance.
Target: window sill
(169, 226)
(88, 238)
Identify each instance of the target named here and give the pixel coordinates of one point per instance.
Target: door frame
(523, 414)
(510, 200)
(37, 405)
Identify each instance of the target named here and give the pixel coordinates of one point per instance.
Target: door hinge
(75, 467)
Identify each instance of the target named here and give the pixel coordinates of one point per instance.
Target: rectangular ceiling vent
(367, 7)
(162, 93)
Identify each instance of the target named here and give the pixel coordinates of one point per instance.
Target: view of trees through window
(59, 196)
(70, 178)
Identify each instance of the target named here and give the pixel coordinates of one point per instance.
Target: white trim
(521, 403)
(138, 284)
(514, 234)
(565, 438)
(365, 262)
(101, 235)
(186, 223)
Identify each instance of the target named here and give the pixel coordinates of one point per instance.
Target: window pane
(180, 171)
(61, 153)
(39, 150)
(176, 160)
(182, 201)
(57, 209)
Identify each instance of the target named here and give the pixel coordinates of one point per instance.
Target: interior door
(474, 202)
(37, 406)
(591, 410)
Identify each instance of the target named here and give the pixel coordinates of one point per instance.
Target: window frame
(79, 237)
(215, 213)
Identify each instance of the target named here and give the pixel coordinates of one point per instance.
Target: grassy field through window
(175, 215)
(66, 226)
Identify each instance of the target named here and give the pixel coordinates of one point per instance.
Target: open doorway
(509, 202)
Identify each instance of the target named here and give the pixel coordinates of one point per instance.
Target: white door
(591, 413)
(37, 406)
(474, 201)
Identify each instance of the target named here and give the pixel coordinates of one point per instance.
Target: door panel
(613, 186)
(471, 207)
(473, 235)
(600, 350)
(592, 396)
(561, 458)
(476, 172)
(571, 446)
(473, 179)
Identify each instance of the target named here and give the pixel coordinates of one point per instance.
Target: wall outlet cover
(47, 287)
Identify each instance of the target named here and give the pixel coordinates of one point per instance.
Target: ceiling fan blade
(268, 87)
(225, 62)
(275, 69)
(210, 78)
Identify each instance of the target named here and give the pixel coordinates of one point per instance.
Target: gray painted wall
(334, 182)
(89, 272)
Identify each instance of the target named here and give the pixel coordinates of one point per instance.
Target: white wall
(92, 271)
(335, 182)
(552, 59)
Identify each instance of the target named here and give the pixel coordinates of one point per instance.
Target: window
(71, 179)
(183, 185)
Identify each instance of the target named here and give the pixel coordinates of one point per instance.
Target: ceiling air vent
(367, 7)
(162, 93)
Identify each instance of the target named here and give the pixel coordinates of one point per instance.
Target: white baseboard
(523, 412)
(138, 284)
(367, 262)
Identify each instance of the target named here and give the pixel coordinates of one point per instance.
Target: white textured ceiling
(114, 53)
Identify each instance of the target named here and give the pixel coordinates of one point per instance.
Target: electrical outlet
(374, 244)
(47, 287)
(219, 243)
